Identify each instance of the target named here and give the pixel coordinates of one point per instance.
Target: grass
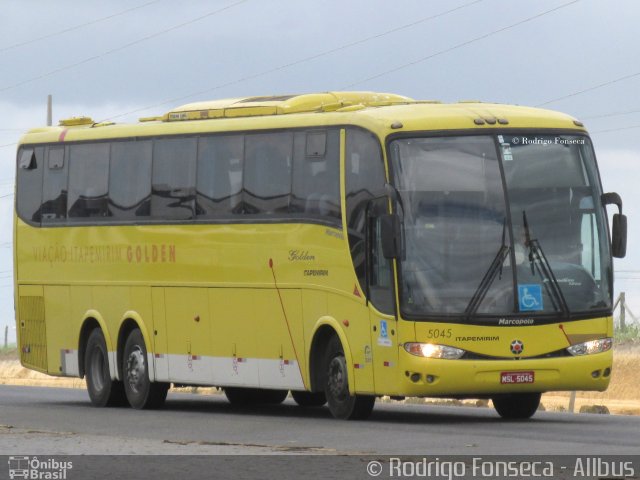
(9, 352)
(630, 334)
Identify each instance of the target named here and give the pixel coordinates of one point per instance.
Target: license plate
(516, 377)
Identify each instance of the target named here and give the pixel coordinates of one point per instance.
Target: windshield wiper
(538, 262)
(494, 269)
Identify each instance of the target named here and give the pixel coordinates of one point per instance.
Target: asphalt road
(37, 420)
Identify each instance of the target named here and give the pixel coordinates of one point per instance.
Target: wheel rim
(337, 380)
(136, 370)
(97, 369)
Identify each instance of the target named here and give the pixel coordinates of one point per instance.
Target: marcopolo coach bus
(339, 246)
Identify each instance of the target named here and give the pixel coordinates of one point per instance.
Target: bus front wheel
(517, 406)
(103, 391)
(342, 404)
(141, 392)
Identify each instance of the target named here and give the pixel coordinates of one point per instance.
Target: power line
(463, 44)
(75, 27)
(120, 48)
(590, 89)
(298, 62)
(616, 129)
(8, 145)
(611, 114)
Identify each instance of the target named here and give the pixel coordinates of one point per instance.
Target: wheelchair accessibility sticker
(383, 339)
(530, 298)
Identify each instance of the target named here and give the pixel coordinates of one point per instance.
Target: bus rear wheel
(309, 399)
(342, 404)
(255, 396)
(517, 406)
(103, 391)
(141, 392)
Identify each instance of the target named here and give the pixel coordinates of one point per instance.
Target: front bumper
(424, 377)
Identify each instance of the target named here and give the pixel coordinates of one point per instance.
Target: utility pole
(623, 322)
(49, 110)
(6, 336)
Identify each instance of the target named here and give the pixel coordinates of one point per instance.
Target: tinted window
(54, 194)
(219, 184)
(174, 178)
(365, 179)
(130, 179)
(267, 172)
(88, 180)
(30, 168)
(316, 173)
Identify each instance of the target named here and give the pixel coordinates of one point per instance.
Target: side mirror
(619, 227)
(390, 231)
(619, 236)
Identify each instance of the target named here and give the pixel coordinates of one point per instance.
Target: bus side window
(88, 180)
(174, 178)
(267, 173)
(29, 183)
(130, 180)
(54, 190)
(316, 174)
(219, 183)
(365, 179)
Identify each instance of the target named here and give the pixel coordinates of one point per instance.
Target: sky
(122, 60)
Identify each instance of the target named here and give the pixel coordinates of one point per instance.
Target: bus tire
(516, 406)
(103, 391)
(254, 396)
(341, 403)
(309, 399)
(141, 392)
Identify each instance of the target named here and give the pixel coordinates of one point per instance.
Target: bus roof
(380, 112)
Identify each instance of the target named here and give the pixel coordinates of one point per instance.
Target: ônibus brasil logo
(517, 347)
(33, 468)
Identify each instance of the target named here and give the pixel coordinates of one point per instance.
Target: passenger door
(381, 295)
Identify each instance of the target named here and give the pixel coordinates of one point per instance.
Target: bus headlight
(430, 350)
(590, 347)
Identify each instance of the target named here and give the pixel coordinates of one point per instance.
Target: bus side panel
(252, 341)
(281, 340)
(234, 340)
(62, 339)
(359, 338)
(188, 321)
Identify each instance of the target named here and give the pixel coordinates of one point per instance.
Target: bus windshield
(501, 225)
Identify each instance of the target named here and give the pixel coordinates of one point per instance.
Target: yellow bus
(340, 246)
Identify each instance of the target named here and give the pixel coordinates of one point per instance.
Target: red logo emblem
(517, 347)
